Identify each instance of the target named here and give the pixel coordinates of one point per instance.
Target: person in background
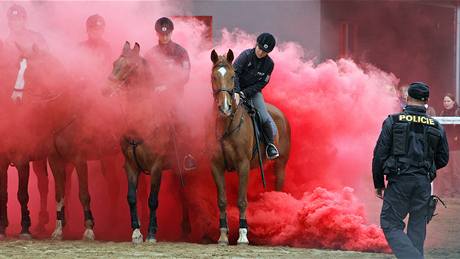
(448, 184)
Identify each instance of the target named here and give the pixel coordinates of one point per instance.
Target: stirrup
(273, 156)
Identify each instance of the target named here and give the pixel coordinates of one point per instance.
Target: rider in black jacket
(253, 69)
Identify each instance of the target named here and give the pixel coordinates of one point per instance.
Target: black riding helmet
(266, 42)
(164, 25)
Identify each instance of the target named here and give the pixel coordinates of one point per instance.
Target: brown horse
(147, 141)
(55, 109)
(82, 136)
(26, 137)
(235, 143)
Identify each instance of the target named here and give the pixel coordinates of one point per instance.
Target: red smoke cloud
(335, 110)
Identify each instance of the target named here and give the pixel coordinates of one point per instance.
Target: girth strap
(134, 145)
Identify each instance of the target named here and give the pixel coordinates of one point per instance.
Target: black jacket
(170, 65)
(252, 74)
(409, 156)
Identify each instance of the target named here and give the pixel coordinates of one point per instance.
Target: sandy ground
(443, 241)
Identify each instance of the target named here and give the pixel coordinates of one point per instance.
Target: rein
(229, 130)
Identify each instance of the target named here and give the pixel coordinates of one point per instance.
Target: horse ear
(136, 49)
(230, 56)
(126, 48)
(214, 56)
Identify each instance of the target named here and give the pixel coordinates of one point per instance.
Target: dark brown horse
(147, 142)
(235, 143)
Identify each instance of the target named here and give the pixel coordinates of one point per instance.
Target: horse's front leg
(85, 199)
(185, 224)
(243, 172)
(23, 197)
(3, 197)
(40, 170)
(133, 177)
(218, 174)
(155, 173)
(58, 167)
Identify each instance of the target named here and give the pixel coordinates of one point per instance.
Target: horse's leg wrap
(223, 223)
(60, 215)
(243, 223)
(243, 233)
(25, 219)
(23, 197)
(89, 217)
(153, 205)
(132, 199)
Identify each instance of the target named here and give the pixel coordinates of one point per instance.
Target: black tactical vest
(415, 140)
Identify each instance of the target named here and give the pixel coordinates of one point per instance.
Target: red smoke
(335, 110)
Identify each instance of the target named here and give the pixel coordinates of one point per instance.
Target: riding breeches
(268, 124)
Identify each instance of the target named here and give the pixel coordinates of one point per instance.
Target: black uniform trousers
(406, 194)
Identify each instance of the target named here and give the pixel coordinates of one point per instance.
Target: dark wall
(414, 40)
(297, 21)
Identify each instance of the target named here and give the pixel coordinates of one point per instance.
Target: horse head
(223, 83)
(129, 70)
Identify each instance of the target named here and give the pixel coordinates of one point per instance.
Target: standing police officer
(253, 69)
(170, 65)
(410, 148)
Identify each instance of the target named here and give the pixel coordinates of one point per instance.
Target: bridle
(120, 85)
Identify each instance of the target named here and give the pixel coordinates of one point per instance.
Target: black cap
(266, 42)
(95, 21)
(164, 25)
(16, 12)
(419, 91)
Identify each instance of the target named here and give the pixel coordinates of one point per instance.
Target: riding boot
(271, 150)
(25, 220)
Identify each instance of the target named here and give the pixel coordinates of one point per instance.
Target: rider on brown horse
(170, 65)
(95, 45)
(253, 69)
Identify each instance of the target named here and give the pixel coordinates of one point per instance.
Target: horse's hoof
(25, 236)
(151, 238)
(137, 237)
(222, 243)
(243, 238)
(223, 239)
(88, 235)
(57, 235)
